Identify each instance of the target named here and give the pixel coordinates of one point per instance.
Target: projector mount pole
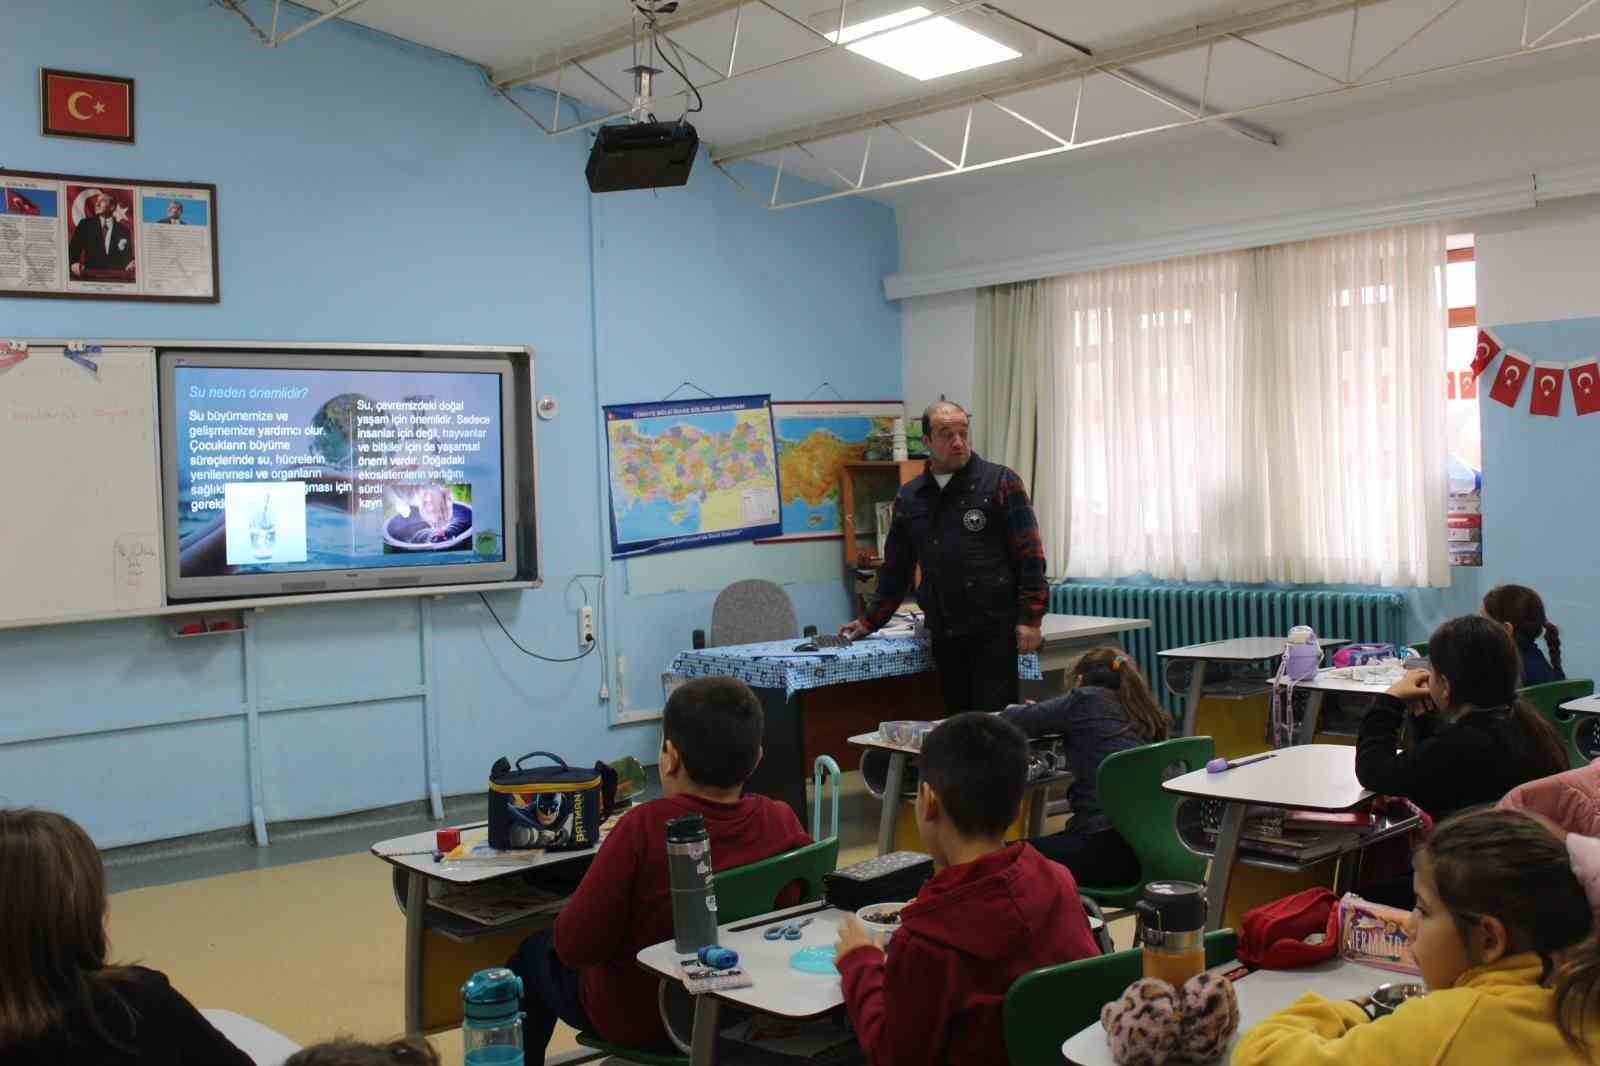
(643, 81)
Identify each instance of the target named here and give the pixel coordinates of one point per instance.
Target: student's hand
(854, 629)
(852, 935)
(1412, 687)
(1029, 638)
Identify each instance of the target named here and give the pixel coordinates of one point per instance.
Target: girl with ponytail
(1521, 611)
(1504, 933)
(1108, 709)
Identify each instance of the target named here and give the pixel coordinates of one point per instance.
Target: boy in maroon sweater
(585, 972)
(991, 913)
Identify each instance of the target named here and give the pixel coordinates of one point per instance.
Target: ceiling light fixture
(932, 48)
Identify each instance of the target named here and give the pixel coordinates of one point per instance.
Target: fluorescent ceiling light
(931, 49)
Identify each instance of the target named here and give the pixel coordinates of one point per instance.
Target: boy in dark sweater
(584, 972)
(991, 913)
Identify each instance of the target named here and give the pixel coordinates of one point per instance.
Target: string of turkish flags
(1548, 379)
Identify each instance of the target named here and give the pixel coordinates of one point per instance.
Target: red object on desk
(189, 629)
(447, 839)
(223, 624)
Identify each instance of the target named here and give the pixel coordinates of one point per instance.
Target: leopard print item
(1153, 1024)
(1210, 1017)
(1142, 1026)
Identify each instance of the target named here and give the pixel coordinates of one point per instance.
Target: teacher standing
(968, 523)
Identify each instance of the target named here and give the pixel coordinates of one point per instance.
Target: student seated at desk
(584, 972)
(990, 914)
(1503, 932)
(1521, 611)
(61, 1002)
(1475, 739)
(1109, 709)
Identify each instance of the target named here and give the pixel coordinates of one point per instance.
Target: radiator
(1180, 615)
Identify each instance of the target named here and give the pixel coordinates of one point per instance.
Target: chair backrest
(1129, 784)
(1547, 700)
(746, 891)
(1420, 647)
(749, 611)
(1045, 1008)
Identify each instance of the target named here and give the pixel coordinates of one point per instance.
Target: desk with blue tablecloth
(815, 702)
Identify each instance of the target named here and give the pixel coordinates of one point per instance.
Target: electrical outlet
(585, 627)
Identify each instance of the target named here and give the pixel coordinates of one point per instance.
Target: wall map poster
(689, 474)
(815, 440)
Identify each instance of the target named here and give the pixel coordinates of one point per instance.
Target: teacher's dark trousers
(978, 672)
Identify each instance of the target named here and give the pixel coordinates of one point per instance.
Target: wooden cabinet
(862, 486)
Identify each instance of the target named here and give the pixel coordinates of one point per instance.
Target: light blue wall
(1538, 497)
(372, 191)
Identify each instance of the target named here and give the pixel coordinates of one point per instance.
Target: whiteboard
(80, 488)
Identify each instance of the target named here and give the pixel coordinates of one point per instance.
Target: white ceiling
(508, 35)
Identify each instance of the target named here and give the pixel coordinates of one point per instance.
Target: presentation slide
(296, 470)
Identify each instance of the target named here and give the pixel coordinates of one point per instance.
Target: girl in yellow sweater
(1503, 931)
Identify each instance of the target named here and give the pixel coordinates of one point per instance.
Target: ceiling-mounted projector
(641, 155)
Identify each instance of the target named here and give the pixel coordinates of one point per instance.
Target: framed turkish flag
(96, 107)
(1547, 380)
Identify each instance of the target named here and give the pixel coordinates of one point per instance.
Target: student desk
(1260, 993)
(778, 988)
(1366, 682)
(900, 757)
(432, 995)
(814, 702)
(1318, 777)
(1235, 650)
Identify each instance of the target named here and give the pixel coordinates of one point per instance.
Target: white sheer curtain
(1351, 359)
(1269, 415)
(1149, 397)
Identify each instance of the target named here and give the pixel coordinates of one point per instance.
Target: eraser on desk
(447, 839)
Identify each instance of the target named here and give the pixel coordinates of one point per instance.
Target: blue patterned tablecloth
(775, 663)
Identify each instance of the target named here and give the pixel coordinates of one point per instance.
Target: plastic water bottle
(694, 904)
(491, 1027)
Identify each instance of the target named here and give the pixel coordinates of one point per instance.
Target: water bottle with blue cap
(491, 1027)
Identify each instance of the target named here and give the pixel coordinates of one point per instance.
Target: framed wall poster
(95, 107)
(67, 235)
(815, 440)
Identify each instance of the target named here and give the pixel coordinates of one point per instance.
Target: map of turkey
(686, 474)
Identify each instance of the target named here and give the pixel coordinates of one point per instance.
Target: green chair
(1129, 783)
(1420, 647)
(1548, 698)
(1045, 1008)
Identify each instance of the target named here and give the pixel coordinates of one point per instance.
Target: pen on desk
(821, 906)
(1219, 764)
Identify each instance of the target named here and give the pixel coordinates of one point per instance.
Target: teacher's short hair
(927, 414)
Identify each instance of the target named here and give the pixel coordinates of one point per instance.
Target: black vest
(969, 580)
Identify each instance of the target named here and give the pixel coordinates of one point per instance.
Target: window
(1464, 432)
(1266, 415)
